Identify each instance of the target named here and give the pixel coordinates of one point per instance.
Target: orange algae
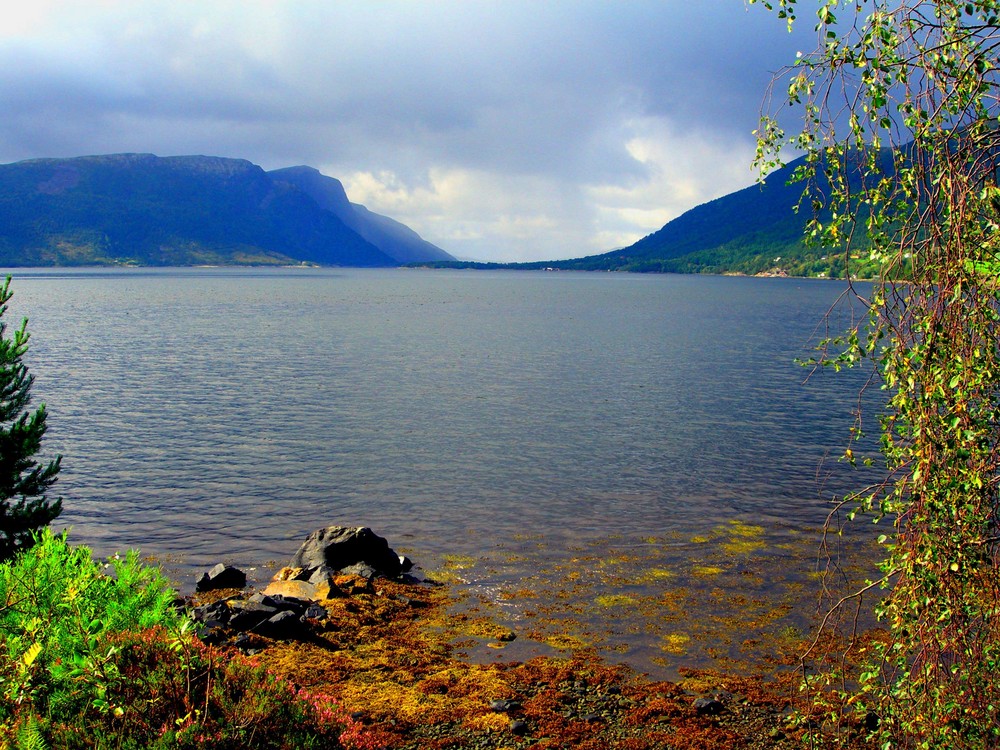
(394, 657)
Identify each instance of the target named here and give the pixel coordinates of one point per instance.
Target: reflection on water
(209, 414)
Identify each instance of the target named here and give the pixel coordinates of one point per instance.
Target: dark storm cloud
(566, 115)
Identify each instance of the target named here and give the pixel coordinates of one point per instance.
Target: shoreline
(392, 657)
(629, 600)
(487, 266)
(402, 658)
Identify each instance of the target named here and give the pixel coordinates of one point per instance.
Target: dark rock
(264, 600)
(337, 547)
(320, 577)
(405, 564)
(250, 617)
(504, 706)
(291, 603)
(212, 632)
(218, 611)
(519, 727)
(222, 577)
(316, 612)
(361, 570)
(707, 706)
(283, 625)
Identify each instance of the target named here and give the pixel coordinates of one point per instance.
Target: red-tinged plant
(174, 691)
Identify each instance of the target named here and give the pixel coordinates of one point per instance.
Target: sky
(502, 131)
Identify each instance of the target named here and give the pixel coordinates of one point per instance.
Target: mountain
(754, 230)
(181, 210)
(757, 222)
(394, 239)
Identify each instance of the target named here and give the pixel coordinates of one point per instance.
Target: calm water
(210, 415)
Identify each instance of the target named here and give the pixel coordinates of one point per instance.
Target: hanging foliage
(897, 110)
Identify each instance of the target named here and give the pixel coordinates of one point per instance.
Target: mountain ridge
(389, 235)
(143, 209)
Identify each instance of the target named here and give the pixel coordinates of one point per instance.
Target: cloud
(516, 217)
(499, 130)
(683, 169)
(480, 214)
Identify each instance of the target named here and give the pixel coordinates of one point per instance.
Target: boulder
(211, 622)
(249, 617)
(320, 577)
(281, 626)
(316, 613)
(221, 577)
(330, 550)
(332, 562)
(289, 574)
(273, 616)
(301, 589)
(216, 611)
(360, 570)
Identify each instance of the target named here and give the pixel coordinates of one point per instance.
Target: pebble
(519, 727)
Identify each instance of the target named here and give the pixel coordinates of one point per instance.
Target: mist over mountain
(143, 209)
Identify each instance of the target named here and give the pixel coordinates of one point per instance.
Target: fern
(29, 736)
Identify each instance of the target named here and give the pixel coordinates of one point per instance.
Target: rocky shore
(347, 618)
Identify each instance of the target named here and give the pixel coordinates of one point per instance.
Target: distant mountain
(182, 210)
(758, 222)
(755, 230)
(394, 239)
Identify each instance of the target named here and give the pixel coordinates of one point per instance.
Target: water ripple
(223, 414)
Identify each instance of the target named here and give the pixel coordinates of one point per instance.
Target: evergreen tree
(24, 507)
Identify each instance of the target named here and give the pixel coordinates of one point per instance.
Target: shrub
(168, 690)
(97, 656)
